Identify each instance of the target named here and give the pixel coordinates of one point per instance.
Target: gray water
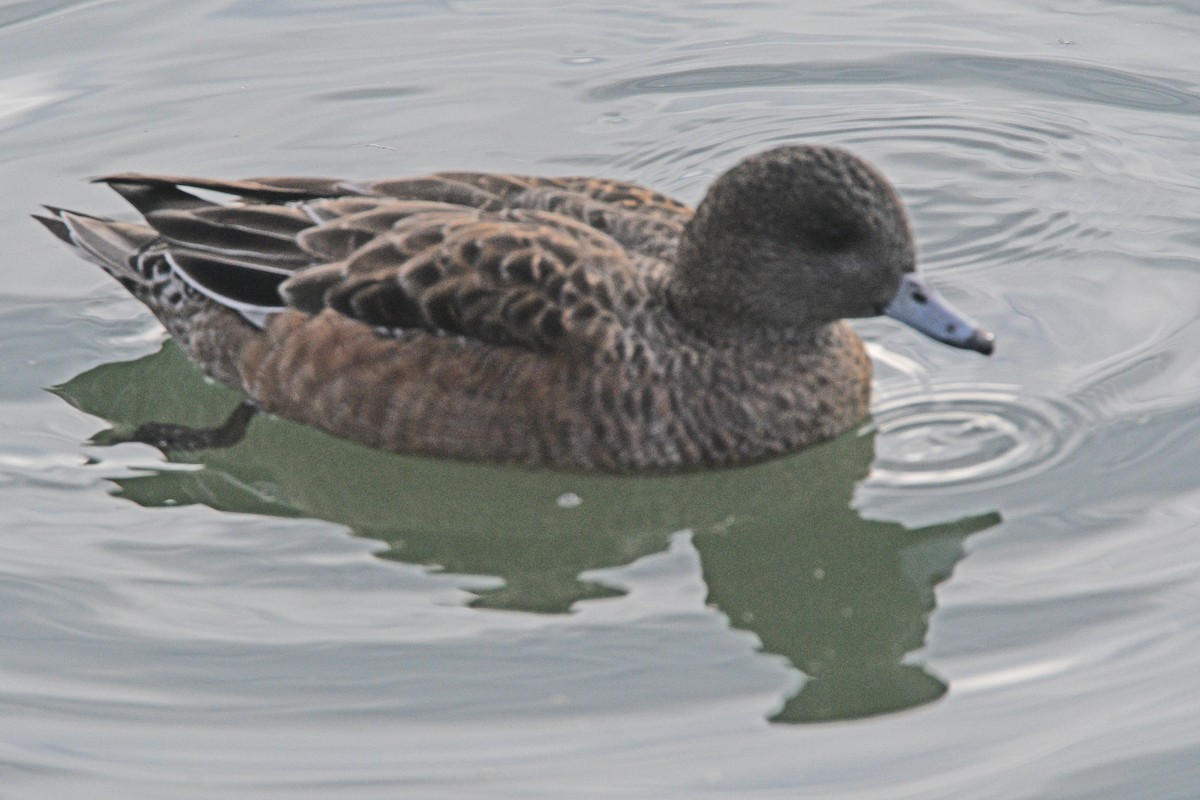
(990, 590)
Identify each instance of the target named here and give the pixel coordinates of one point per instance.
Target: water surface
(990, 590)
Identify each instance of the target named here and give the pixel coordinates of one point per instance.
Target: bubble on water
(569, 500)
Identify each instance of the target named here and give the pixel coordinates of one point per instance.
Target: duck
(575, 323)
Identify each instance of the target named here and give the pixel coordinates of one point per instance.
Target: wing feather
(504, 259)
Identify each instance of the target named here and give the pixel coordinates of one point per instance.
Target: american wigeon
(564, 322)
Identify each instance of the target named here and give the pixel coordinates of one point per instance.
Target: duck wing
(508, 260)
(641, 220)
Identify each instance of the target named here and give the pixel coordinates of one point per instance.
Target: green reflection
(783, 553)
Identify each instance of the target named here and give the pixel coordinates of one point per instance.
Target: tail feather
(178, 253)
(111, 244)
(211, 329)
(55, 225)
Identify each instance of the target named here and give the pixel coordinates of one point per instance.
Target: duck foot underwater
(173, 438)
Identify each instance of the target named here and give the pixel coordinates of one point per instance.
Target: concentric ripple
(958, 435)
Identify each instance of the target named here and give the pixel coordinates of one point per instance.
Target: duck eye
(833, 237)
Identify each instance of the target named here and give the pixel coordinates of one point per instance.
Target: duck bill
(917, 305)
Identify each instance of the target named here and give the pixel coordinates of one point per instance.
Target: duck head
(801, 236)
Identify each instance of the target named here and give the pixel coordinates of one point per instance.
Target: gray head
(803, 235)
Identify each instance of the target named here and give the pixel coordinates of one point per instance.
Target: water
(991, 590)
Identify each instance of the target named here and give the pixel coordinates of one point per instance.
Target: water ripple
(1070, 80)
(968, 226)
(956, 435)
(33, 11)
(988, 182)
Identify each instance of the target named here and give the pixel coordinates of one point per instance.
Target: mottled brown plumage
(569, 322)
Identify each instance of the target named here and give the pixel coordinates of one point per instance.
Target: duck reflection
(783, 554)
